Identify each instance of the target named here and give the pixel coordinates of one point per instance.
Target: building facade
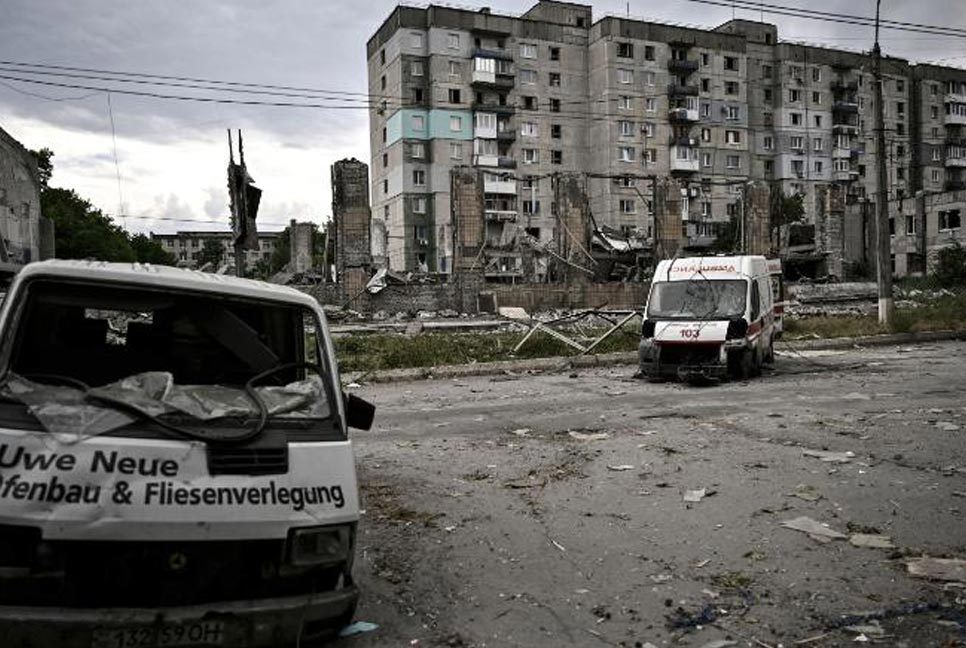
(24, 235)
(619, 101)
(186, 246)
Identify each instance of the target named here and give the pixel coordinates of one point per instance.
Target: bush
(951, 266)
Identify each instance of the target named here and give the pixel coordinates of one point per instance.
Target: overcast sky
(172, 154)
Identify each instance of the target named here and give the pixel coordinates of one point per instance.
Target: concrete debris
(874, 541)
(947, 426)
(830, 457)
(817, 531)
(521, 432)
(870, 629)
(357, 628)
(941, 569)
(807, 493)
(591, 436)
(620, 468)
(720, 643)
(694, 495)
(514, 313)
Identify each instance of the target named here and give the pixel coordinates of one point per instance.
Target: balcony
(954, 97)
(484, 160)
(844, 86)
(493, 108)
(955, 119)
(845, 108)
(956, 162)
(500, 215)
(490, 79)
(506, 135)
(955, 185)
(683, 141)
(683, 115)
(684, 159)
(850, 126)
(844, 176)
(839, 153)
(681, 66)
(499, 186)
(675, 90)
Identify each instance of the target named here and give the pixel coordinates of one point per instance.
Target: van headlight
(322, 545)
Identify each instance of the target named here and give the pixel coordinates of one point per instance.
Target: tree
(212, 251)
(283, 253)
(727, 241)
(149, 251)
(786, 209)
(950, 267)
(81, 231)
(45, 165)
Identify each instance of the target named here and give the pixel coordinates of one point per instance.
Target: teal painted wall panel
(436, 124)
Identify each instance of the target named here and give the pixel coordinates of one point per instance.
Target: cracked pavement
(547, 509)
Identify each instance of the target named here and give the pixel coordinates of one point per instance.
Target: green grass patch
(943, 313)
(395, 351)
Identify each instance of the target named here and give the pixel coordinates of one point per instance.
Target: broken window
(98, 334)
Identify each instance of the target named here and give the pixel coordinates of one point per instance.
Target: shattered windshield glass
(698, 299)
(90, 358)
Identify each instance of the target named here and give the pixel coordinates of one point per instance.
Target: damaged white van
(175, 467)
(708, 318)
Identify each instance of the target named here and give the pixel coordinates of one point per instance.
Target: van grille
(230, 460)
(690, 354)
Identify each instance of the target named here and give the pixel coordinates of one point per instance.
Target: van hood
(690, 332)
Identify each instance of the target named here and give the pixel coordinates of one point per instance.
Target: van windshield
(702, 299)
(166, 353)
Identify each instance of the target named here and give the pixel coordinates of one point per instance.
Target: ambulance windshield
(701, 299)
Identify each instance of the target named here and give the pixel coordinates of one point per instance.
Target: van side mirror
(359, 413)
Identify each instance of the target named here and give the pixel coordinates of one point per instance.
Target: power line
(189, 79)
(156, 95)
(173, 84)
(847, 19)
(117, 167)
(37, 95)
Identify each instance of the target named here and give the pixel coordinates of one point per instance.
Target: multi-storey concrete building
(523, 99)
(187, 245)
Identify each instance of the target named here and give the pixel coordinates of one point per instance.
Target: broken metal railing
(575, 320)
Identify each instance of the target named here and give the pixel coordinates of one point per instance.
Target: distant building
(524, 99)
(21, 227)
(186, 246)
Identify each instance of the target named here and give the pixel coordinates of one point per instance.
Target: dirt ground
(548, 510)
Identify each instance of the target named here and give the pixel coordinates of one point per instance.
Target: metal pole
(883, 244)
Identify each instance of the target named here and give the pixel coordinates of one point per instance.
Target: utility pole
(883, 245)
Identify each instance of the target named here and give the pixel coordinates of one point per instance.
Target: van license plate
(201, 633)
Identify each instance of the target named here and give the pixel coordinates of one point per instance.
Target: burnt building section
(351, 224)
(25, 235)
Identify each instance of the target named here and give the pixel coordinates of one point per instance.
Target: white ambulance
(175, 465)
(708, 318)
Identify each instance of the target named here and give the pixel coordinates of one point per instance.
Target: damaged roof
(157, 276)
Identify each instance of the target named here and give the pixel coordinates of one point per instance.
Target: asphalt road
(548, 510)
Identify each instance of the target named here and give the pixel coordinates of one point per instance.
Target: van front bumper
(243, 624)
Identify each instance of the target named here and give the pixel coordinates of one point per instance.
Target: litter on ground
(816, 530)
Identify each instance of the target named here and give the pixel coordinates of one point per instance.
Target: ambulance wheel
(770, 356)
(757, 360)
(740, 365)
